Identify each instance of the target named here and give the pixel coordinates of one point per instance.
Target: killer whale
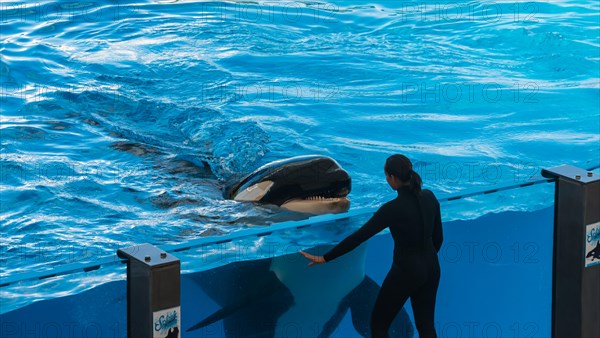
(309, 184)
(313, 184)
(265, 298)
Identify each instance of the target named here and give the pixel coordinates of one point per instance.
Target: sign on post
(153, 292)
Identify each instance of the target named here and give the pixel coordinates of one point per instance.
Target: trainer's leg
(392, 296)
(423, 304)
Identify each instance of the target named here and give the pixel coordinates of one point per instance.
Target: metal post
(153, 292)
(576, 256)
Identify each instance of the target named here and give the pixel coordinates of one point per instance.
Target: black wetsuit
(416, 227)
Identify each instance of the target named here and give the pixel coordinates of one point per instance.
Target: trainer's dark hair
(401, 167)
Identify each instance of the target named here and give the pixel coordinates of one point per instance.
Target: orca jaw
(318, 205)
(309, 184)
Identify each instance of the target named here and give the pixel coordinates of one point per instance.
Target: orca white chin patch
(318, 205)
(254, 192)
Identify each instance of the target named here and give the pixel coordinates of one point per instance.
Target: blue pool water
(122, 120)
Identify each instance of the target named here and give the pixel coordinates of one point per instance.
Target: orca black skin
(300, 177)
(252, 300)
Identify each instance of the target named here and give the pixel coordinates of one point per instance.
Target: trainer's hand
(314, 259)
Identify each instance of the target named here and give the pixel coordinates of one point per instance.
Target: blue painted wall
(496, 282)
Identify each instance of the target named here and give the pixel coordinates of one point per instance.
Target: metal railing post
(153, 292)
(576, 253)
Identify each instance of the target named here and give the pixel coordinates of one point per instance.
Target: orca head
(311, 184)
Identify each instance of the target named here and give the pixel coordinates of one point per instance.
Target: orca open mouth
(320, 198)
(325, 195)
(327, 202)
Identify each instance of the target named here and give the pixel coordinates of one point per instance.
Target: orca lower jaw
(318, 205)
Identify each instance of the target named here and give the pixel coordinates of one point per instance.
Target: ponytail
(401, 167)
(415, 182)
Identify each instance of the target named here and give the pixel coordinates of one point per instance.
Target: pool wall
(496, 282)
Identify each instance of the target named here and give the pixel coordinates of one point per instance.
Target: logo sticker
(166, 323)
(592, 244)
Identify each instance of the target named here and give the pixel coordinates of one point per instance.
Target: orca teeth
(317, 198)
(327, 195)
